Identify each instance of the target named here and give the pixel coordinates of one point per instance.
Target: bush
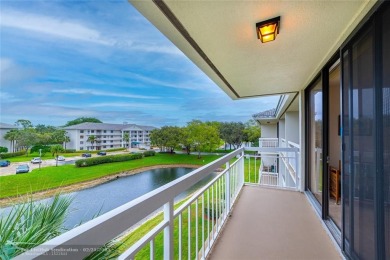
(69, 150)
(115, 149)
(149, 153)
(44, 149)
(9, 155)
(107, 159)
(3, 149)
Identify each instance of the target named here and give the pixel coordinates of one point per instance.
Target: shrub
(3, 149)
(149, 153)
(107, 159)
(9, 155)
(115, 149)
(70, 150)
(44, 149)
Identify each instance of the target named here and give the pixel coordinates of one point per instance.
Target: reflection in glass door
(315, 140)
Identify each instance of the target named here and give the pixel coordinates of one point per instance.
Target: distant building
(4, 128)
(108, 136)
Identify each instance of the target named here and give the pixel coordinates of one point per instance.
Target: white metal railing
(279, 166)
(217, 197)
(268, 142)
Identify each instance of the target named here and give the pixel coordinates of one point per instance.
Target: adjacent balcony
(237, 215)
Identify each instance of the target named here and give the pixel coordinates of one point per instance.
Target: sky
(60, 60)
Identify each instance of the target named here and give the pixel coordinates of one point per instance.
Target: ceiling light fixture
(267, 30)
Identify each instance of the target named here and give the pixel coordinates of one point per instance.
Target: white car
(61, 158)
(36, 160)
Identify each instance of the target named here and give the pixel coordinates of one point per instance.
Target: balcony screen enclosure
(366, 139)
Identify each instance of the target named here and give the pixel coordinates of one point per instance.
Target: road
(11, 169)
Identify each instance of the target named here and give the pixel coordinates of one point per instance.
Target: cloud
(100, 93)
(51, 26)
(135, 105)
(12, 73)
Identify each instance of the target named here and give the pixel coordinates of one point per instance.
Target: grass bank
(55, 177)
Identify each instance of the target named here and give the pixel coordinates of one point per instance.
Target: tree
(12, 136)
(156, 138)
(252, 132)
(203, 136)
(92, 139)
(172, 137)
(55, 149)
(126, 139)
(26, 138)
(185, 139)
(3, 149)
(167, 138)
(40, 128)
(83, 120)
(66, 140)
(24, 123)
(58, 136)
(232, 133)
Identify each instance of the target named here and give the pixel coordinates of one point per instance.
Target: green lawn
(54, 177)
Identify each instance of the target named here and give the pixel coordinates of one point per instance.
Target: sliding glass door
(315, 121)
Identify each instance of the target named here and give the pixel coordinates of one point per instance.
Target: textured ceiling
(223, 41)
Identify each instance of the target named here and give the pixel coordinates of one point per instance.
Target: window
(81, 131)
(92, 131)
(81, 142)
(104, 131)
(111, 146)
(112, 131)
(81, 136)
(81, 148)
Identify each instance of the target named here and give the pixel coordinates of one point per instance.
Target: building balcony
(234, 216)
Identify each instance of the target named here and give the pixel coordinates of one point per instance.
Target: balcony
(232, 217)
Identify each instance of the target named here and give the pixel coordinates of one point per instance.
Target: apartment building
(4, 128)
(107, 136)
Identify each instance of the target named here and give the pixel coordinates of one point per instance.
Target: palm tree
(12, 136)
(126, 138)
(55, 149)
(92, 140)
(30, 224)
(66, 140)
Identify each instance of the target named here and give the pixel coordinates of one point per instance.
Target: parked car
(102, 153)
(60, 158)
(86, 155)
(36, 160)
(23, 168)
(4, 163)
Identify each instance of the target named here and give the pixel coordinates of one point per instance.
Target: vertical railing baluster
(189, 231)
(202, 216)
(168, 231)
(180, 235)
(227, 187)
(196, 229)
(212, 206)
(152, 249)
(208, 218)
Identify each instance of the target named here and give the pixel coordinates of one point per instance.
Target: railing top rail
(106, 227)
(272, 149)
(294, 144)
(268, 138)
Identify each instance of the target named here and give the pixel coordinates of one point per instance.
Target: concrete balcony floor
(273, 224)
